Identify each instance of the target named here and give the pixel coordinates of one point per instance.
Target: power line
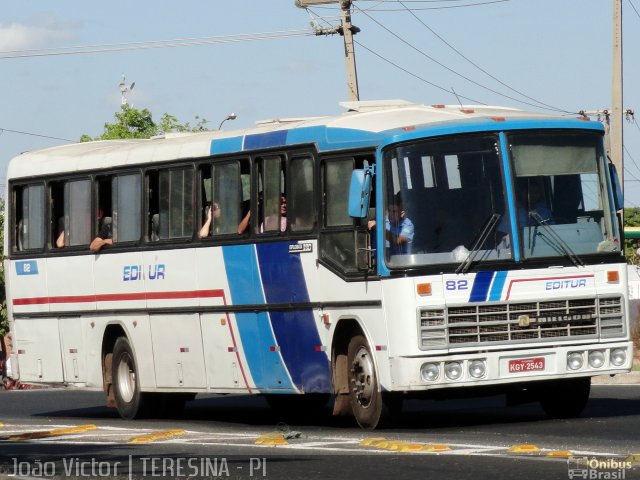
(402, 2)
(34, 134)
(383, 58)
(415, 75)
(448, 68)
(130, 46)
(375, 9)
(634, 8)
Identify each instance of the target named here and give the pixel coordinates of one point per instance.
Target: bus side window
(301, 202)
(337, 236)
(126, 209)
(119, 214)
(29, 220)
(226, 194)
(272, 200)
(70, 213)
(175, 203)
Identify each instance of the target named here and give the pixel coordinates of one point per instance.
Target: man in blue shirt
(399, 230)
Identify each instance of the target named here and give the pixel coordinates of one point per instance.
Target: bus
(396, 250)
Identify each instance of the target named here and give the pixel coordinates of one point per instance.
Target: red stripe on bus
(540, 279)
(120, 297)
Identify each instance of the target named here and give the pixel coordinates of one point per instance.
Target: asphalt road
(70, 434)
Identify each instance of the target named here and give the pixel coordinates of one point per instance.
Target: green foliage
(133, 123)
(632, 219)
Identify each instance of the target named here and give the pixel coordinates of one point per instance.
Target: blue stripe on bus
(497, 286)
(265, 140)
(226, 145)
(296, 331)
(256, 335)
(481, 286)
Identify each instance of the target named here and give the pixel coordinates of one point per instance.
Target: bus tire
(364, 389)
(130, 401)
(567, 398)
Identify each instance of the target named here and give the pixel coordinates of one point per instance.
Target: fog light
(596, 358)
(430, 372)
(618, 357)
(453, 370)
(477, 368)
(575, 361)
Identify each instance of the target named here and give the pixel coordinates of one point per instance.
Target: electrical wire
(34, 134)
(131, 46)
(634, 8)
(375, 9)
(551, 107)
(450, 69)
(417, 76)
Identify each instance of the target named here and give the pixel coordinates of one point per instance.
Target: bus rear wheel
(130, 401)
(364, 389)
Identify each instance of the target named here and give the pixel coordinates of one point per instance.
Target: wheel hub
(362, 377)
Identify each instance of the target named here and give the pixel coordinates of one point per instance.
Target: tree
(134, 123)
(631, 219)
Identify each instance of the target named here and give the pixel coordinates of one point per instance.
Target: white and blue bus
(396, 249)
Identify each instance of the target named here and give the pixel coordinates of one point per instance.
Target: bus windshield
(444, 198)
(445, 202)
(562, 201)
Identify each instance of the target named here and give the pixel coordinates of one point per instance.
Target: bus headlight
(575, 361)
(477, 368)
(618, 356)
(429, 372)
(453, 370)
(596, 358)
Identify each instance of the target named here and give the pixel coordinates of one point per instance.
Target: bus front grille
(517, 322)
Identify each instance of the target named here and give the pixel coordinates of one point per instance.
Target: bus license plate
(526, 365)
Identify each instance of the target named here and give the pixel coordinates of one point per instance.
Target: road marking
(271, 439)
(162, 435)
(351, 442)
(51, 433)
(402, 446)
(561, 454)
(524, 449)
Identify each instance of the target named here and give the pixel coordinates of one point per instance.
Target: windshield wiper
(475, 248)
(556, 240)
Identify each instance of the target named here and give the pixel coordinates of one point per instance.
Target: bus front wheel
(364, 390)
(566, 398)
(130, 401)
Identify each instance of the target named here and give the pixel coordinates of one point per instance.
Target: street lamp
(231, 116)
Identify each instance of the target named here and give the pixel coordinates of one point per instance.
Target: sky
(551, 56)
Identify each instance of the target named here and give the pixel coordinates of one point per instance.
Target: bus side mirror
(618, 198)
(359, 191)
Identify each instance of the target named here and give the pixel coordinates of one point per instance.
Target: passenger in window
(270, 222)
(212, 217)
(104, 235)
(399, 229)
(60, 238)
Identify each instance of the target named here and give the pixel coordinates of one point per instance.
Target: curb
(631, 378)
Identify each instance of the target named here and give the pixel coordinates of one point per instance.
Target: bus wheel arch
(111, 334)
(355, 376)
(344, 331)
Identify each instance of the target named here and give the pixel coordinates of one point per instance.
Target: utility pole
(617, 114)
(347, 30)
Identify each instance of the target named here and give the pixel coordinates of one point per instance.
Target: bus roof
(365, 123)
